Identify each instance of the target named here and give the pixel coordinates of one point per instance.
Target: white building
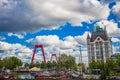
(99, 45)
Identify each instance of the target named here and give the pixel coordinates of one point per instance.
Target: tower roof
(99, 32)
(94, 36)
(88, 37)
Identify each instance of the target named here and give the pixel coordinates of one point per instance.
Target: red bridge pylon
(52, 56)
(38, 46)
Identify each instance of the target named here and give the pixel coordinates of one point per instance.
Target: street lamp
(103, 61)
(80, 61)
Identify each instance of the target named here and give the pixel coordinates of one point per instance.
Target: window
(106, 50)
(99, 57)
(93, 57)
(97, 45)
(98, 39)
(92, 50)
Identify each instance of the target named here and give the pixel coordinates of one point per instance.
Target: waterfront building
(99, 45)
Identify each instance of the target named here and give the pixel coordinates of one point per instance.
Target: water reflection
(26, 76)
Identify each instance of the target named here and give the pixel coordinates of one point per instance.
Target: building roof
(94, 36)
(88, 37)
(99, 32)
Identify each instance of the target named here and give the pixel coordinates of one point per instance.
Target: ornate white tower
(99, 45)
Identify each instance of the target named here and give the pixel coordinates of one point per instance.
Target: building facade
(99, 45)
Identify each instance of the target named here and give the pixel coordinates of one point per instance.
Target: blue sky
(59, 25)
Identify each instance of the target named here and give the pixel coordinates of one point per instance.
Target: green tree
(83, 66)
(8, 63)
(95, 65)
(72, 63)
(1, 63)
(107, 67)
(16, 61)
(37, 64)
(54, 64)
(26, 64)
(12, 62)
(99, 64)
(49, 65)
(92, 65)
(74, 67)
(43, 65)
(67, 62)
(31, 65)
(63, 59)
(110, 63)
(34, 64)
(118, 59)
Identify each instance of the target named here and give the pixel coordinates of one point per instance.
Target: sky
(61, 26)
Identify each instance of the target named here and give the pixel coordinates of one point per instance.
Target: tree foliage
(54, 64)
(1, 63)
(36, 64)
(118, 60)
(107, 67)
(49, 64)
(12, 62)
(95, 65)
(26, 64)
(43, 65)
(67, 62)
(83, 66)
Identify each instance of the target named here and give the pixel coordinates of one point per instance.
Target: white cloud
(51, 40)
(2, 38)
(78, 56)
(116, 9)
(17, 50)
(75, 11)
(112, 28)
(30, 15)
(115, 39)
(116, 48)
(69, 42)
(20, 36)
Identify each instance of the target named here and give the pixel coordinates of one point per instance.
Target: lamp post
(103, 62)
(80, 61)
(59, 64)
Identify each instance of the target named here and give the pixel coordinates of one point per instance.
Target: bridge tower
(38, 46)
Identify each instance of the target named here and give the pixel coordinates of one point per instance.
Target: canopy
(34, 69)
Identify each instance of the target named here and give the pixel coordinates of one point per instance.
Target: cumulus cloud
(68, 42)
(116, 44)
(2, 38)
(20, 36)
(116, 48)
(116, 10)
(18, 50)
(115, 39)
(30, 15)
(51, 40)
(111, 27)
